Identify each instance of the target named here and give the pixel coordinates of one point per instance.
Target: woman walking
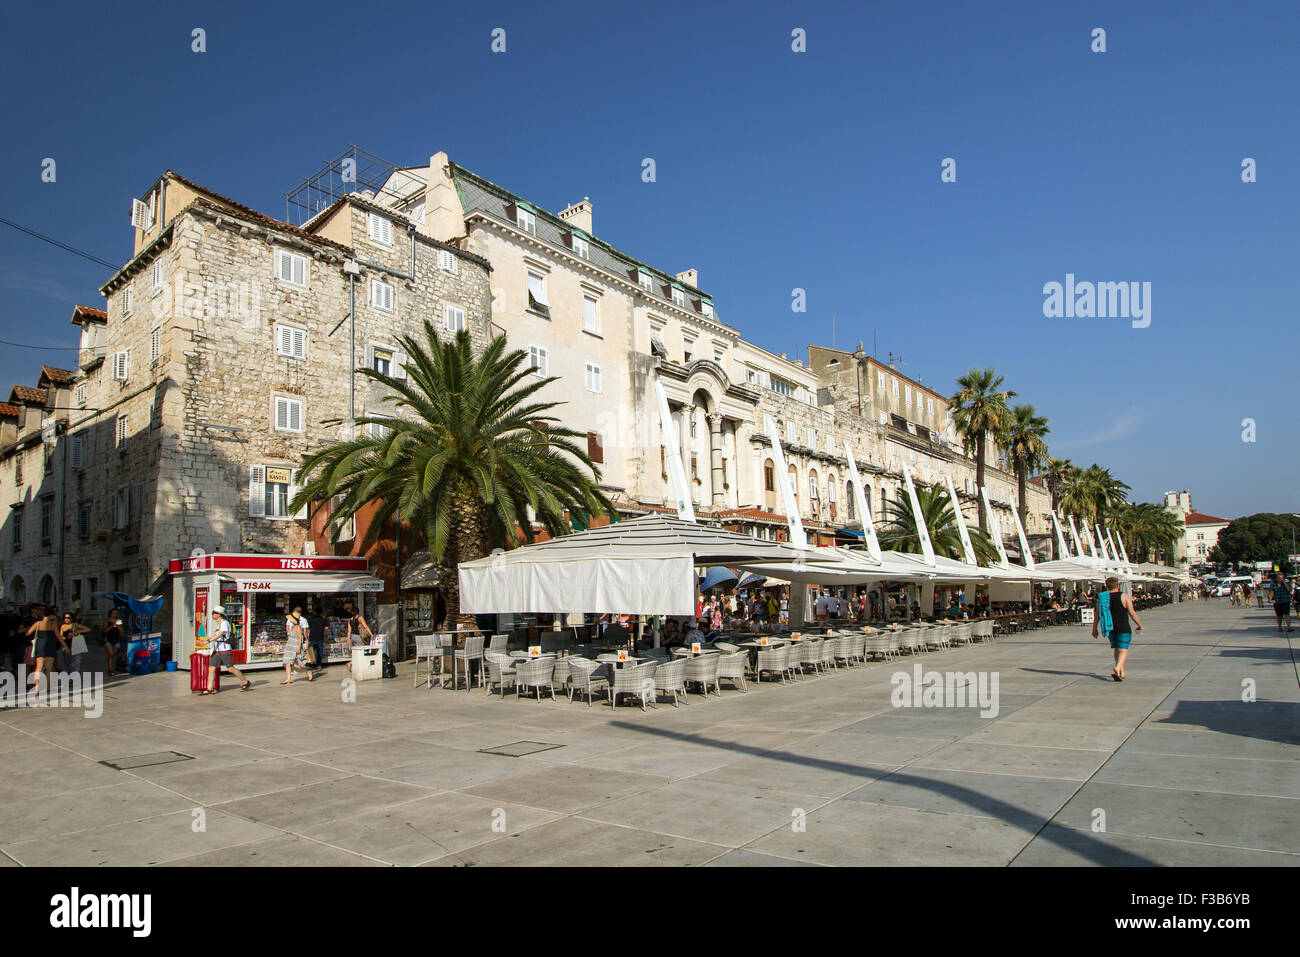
(113, 638)
(73, 635)
(45, 631)
(220, 644)
(1114, 609)
(293, 647)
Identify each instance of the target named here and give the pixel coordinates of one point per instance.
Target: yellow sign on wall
(279, 476)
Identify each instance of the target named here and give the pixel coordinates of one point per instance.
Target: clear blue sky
(775, 170)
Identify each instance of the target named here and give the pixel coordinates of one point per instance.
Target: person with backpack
(1281, 602)
(316, 639)
(220, 646)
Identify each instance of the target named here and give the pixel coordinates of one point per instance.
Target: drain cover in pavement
(147, 760)
(519, 748)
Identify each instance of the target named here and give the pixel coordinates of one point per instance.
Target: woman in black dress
(48, 640)
(112, 638)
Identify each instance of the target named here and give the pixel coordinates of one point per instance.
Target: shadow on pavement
(1267, 720)
(1097, 851)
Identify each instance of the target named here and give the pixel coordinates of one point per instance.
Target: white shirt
(221, 640)
(820, 606)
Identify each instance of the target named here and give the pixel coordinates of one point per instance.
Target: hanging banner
(797, 537)
(995, 532)
(864, 510)
(673, 458)
(1060, 536)
(927, 549)
(1027, 557)
(1074, 534)
(966, 547)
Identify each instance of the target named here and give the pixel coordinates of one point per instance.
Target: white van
(1225, 585)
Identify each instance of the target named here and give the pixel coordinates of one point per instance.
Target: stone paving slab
(1186, 771)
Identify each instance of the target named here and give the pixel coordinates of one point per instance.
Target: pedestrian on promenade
(1281, 602)
(359, 632)
(113, 638)
(45, 631)
(316, 637)
(220, 645)
(295, 639)
(1114, 609)
(73, 635)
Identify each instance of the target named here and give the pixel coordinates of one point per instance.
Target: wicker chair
(961, 633)
(810, 654)
(560, 679)
(842, 650)
(587, 676)
(857, 647)
(670, 678)
(727, 647)
(500, 672)
(472, 652)
(792, 661)
(733, 666)
(772, 661)
(703, 671)
(499, 644)
(534, 674)
(877, 644)
(638, 680)
(426, 648)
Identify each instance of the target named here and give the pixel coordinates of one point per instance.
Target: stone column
(715, 459)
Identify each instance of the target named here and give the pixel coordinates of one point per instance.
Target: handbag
(312, 658)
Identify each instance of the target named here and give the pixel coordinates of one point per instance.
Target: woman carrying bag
(294, 639)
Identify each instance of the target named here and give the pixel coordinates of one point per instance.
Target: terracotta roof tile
(1200, 518)
(61, 376)
(27, 395)
(8, 411)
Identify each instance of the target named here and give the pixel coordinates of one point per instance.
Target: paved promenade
(1170, 767)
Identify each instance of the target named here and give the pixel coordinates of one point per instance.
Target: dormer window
(706, 307)
(525, 220)
(645, 280)
(679, 297)
(580, 246)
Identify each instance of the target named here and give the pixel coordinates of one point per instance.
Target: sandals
(245, 686)
(1115, 676)
(287, 681)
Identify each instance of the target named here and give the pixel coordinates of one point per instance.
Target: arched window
(49, 594)
(17, 591)
(814, 493)
(794, 482)
(769, 476)
(849, 502)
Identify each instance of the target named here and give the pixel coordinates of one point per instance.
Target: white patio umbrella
(645, 566)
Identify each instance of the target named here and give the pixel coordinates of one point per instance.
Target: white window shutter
(398, 365)
(139, 501)
(299, 344)
(256, 491)
(77, 451)
(370, 357)
(301, 514)
(284, 340)
(139, 214)
(299, 270)
(155, 274)
(295, 416)
(446, 260)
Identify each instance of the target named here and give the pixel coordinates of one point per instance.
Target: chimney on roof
(690, 276)
(579, 214)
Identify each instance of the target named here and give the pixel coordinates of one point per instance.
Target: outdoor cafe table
(617, 663)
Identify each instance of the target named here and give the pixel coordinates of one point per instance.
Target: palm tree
(1104, 491)
(1058, 475)
(467, 458)
(1150, 531)
(979, 409)
(1025, 446)
(900, 532)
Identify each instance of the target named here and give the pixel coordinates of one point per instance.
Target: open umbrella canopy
(717, 575)
(645, 566)
(750, 580)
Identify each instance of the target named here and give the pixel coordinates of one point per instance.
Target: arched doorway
(49, 593)
(18, 591)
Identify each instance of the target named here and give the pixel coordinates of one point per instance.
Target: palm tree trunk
(469, 532)
(1022, 487)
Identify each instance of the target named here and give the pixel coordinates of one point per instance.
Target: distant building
(1201, 531)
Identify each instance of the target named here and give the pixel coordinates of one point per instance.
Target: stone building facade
(225, 354)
